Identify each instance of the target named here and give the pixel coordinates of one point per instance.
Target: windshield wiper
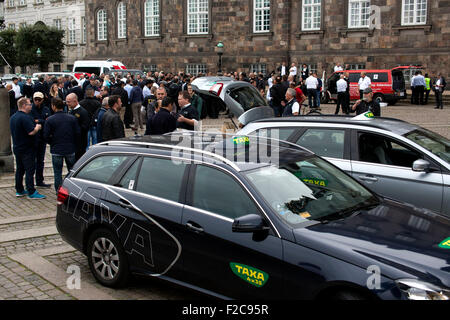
(344, 212)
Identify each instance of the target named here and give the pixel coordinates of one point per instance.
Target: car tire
(107, 259)
(348, 295)
(379, 98)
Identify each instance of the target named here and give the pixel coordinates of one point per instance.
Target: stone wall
(231, 22)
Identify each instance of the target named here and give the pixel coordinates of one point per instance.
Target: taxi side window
(129, 179)
(161, 178)
(101, 169)
(379, 149)
(275, 133)
(217, 192)
(324, 142)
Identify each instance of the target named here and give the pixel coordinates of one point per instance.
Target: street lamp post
(220, 49)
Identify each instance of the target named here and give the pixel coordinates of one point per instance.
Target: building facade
(67, 15)
(181, 35)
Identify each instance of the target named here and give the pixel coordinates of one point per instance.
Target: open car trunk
(241, 98)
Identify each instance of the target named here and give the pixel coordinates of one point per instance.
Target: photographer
(367, 104)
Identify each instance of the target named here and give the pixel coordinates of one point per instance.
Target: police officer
(188, 117)
(40, 113)
(427, 87)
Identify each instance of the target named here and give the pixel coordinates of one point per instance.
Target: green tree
(7, 48)
(48, 39)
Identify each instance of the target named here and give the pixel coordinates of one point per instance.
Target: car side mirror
(249, 223)
(421, 166)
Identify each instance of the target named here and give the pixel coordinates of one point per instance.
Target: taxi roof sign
(364, 116)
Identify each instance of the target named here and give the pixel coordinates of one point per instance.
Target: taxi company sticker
(445, 244)
(241, 140)
(249, 274)
(369, 115)
(317, 182)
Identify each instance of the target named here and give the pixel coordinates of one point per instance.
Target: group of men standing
(421, 87)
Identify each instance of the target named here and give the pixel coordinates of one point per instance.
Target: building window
(151, 21)
(197, 17)
(312, 14)
(414, 12)
(22, 2)
(312, 68)
(10, 3)
(195, 69)
(12, 26)
(22, 25)
(39, 1)
(121, 21)
(358, 13)
(356, 66)
(72, 31)
(56, 68)
(57, 23)
(83, 30)
(258, 68)
(102, 25)
(261, 16)
(149, 67)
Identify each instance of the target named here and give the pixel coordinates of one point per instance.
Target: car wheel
(348, 295)
(107, 259)
(379, 98)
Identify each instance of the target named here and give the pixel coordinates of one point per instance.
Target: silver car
(396, 159)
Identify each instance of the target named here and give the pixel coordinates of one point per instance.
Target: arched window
(151, 18)
(102, 25)
(121, 20)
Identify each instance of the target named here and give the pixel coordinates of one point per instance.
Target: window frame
(254, 14)
(83, 30)
(414, 23)
(349, 15)
(121, 20)
(198, 13)
(145, 17)
(71, 31)
(347, 139)
(312, 5)
(104, 24)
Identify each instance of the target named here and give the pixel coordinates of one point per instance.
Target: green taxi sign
(445, 244)
(241, 141)
(249, 274)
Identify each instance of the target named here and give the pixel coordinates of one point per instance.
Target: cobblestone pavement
(27, 229)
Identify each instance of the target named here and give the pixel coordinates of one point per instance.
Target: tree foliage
(48, 39)
(9, 52)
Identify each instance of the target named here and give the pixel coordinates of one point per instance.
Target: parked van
(388, 85)
(98, 67)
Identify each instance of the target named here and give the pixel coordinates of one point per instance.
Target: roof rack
(165, 146)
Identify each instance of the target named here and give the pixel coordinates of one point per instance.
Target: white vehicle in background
(98, 67)
(76, 76)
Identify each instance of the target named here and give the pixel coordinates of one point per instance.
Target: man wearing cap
(40, 113)
(367, 104)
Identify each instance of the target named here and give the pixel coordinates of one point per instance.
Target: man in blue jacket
(61, 131)
(136, 104)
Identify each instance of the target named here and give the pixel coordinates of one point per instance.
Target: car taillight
(63, 194)
(216, 89)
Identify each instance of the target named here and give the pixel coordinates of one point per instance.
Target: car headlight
(419, 290)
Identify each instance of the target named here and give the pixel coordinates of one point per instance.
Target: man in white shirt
(338, 67)
(363, 83)
(311, 86)
(341, 85)
(282, 69)
(293, 71)
(16, 88)
(292, 108)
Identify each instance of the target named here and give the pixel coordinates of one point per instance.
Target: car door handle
(190, 226)
(368, 178)
(125, 204)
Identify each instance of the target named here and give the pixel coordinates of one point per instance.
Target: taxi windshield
(431, 141)
(310, 190)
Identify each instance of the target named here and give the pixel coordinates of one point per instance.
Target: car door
(384, 165)
(238, 265)
(151, 191)
(329, 143)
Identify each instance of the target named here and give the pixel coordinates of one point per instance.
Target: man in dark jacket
(99, 116)
(367, 104)
(112, 125)
(83, 121)
(61, 131)
(12, 99)
(278, 93)
(77, 90)
(40, 114)
(42, 87)
(91, 104)
(163, 121)
(136, 104)
(123, 94)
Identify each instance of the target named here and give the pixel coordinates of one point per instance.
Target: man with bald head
(83, 120)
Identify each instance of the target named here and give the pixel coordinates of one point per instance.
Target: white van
(98, 67)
